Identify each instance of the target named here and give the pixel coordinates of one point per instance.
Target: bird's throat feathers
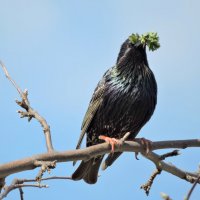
(130, 69)
(131, 61)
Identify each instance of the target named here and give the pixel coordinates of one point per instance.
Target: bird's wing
(93, 107)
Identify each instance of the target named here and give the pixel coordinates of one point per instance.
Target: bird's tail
(88, 170)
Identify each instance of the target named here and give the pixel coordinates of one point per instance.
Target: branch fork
(30, 112)
(45, 166)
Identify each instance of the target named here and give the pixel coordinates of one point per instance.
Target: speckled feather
(123, 101)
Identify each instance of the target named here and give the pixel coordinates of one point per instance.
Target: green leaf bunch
(150, 39)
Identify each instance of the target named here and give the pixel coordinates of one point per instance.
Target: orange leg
(111, 141)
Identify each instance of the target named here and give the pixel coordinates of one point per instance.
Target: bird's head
(136, 45)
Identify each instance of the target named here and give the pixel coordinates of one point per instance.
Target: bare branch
(90, 152)
(170, 154)
(10, 79)
(19, 183)
(16, 185)
(147, 186)
(155, 158)
(30, 112)
(47, 178)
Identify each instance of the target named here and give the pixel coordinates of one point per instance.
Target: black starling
(123, 101)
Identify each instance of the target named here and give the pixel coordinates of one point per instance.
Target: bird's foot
(111, 141)
(147, 144)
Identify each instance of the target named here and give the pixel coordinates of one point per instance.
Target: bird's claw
(136, 155)
(111, 141)
(147, 144)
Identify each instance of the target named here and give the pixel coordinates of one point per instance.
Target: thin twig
(172, 169)
(45, 179)
(21, 193)
(192, 188)
(13, 187)
(19, 184)
(147, 186)
(10, 79)
(170, 154)
(30, 112)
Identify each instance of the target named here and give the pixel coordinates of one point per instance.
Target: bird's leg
(111, 141)
(147, 144)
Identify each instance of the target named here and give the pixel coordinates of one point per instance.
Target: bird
(123, 101)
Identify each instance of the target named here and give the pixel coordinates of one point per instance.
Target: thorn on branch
(147, 186)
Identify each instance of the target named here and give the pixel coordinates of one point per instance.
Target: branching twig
(45, 166)
(30, 112)
(147, 186)
(155, 158)
(19, 183)
(100, 149)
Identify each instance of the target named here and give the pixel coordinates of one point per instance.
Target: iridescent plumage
(123, 101)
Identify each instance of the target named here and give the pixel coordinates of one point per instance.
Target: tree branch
(16, 184)
(147, 186)
(30, 112)
(87, 153)
(19, 183)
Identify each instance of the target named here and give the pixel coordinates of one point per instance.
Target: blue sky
(59, 50)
